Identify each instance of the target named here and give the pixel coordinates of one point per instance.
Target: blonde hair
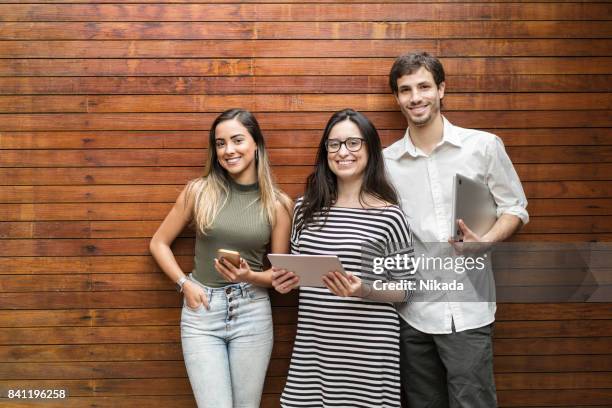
(211, 191)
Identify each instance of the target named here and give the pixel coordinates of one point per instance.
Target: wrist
(488, 239)
(181, 283)
(365, 290)
(249, 276)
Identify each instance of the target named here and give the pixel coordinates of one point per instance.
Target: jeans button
(228, 290)
(229, 300)
(231, 308)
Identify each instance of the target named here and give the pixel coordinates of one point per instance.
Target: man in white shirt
(447, 358)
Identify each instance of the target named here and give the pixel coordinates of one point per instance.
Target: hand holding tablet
(309, 269)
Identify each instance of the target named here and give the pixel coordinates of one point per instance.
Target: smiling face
(235, 148)
(347, 165)
(419, 97)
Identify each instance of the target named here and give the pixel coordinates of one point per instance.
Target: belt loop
(244, 288)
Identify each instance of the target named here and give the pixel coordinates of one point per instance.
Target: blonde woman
(226, 321)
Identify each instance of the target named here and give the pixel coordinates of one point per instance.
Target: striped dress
(346, 351)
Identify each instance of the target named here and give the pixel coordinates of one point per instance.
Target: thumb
(465, 228)
(204, 299)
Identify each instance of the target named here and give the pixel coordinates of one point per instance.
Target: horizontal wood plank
(552, 346)
(283, 315)
(130, 298)
(278, 367)
(157, 211)
(100, 335)
(163, 334)
(169, 193)
(180, 386)
(182, 139)
(278, 156)
(304, 48)
(55, 264)
(220, 85)
(144, 229)
(293, 66)
(303, 12)
(302, 30)
(547, 398)
(295, 103)
(293, 121)
(176, 401)
(172, 351)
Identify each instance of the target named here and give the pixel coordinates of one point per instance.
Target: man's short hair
(406, 64)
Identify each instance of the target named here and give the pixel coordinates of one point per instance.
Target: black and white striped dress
(346, 351)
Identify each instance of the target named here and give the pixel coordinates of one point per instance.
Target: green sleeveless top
(239, 226)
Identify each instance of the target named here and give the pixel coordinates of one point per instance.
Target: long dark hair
(322, 185)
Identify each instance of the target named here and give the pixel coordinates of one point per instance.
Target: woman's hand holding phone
(284, 281)
(341, 285)
(232, 273)
(194, 295)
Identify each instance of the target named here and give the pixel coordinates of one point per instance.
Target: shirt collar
(449, 135)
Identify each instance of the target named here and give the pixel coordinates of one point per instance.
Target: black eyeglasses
(353, 144)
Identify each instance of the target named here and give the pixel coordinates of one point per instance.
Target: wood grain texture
(296, 102)
(105, 109)
(306, 12)
(303, 48)
(303, 30)
(337, 84)
(89, 175)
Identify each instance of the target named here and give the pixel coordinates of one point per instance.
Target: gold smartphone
(232, 256)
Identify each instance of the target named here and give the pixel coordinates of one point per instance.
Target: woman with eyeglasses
(226, 320)
(346, 350)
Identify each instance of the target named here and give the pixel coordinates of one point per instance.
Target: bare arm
(176, 220)
(279, 243)
(504, 228)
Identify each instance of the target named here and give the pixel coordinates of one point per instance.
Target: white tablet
(310, 268)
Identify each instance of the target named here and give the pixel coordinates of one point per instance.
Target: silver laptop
(474, 204)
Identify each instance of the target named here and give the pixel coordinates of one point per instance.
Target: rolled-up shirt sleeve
(504, 182)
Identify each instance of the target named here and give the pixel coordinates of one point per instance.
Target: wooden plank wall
(104, 112)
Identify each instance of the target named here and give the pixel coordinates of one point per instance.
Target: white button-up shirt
(425, 186)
